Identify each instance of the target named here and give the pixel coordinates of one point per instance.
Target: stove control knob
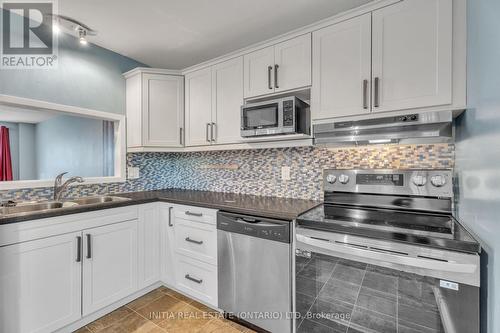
(331, 179)
(438, 180)
(344, 179)
(419, 180)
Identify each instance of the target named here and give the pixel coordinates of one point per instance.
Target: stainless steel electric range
(384, 254)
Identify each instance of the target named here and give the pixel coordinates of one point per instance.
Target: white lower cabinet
(196, 240)
(195, 252)
(149, 245)
(40, 284)
(197, 279)
(167, 242)
(110, 264)
(66, 268)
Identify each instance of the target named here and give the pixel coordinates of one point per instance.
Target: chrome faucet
(59, 187)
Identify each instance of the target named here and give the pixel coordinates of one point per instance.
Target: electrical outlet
(285, 173)
(133, 173)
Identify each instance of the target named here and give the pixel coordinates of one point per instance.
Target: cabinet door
(40, 284)
(292, 60)
(198, 107)
(258, 72)
(109, 264)
(148, 245)
(342, 69)
(163, 110)
(167, 222)
(227, 99)
(412, 55)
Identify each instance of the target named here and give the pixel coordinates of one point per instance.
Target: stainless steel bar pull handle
(193, 279)
(170, 224)
(78, 248)
(276, 76)
(365, 94)
(193, 241)
(89, 246)
(180, 136)
(377, 93)
(193, 214)
(207, 131)
(213, 132)
(269, 70)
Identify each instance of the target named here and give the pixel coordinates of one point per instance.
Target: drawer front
(196, 240)
(197, 279)
(196, 214)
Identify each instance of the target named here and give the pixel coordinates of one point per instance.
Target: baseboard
(98, 314)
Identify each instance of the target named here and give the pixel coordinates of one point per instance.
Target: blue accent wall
(478, 150)
(72, 144)
(87, 76)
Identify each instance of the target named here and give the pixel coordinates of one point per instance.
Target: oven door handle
(367, 253)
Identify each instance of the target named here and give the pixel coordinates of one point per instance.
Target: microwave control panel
(288, 113)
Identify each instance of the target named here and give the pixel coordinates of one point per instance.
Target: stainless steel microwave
(287, 115)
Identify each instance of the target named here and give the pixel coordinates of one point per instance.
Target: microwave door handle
(355, 251)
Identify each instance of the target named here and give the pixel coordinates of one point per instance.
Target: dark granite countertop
(460, 240)
(272, 207)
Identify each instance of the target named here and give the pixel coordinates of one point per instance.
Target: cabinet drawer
(197, 279)
(196, 240)
(196, 214)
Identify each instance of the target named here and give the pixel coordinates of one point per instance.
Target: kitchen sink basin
(43, 206)
(97, 200)
(31, 208)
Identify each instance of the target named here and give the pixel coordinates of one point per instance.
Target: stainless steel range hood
(409, 128)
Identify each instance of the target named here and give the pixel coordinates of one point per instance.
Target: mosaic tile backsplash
(256, 171)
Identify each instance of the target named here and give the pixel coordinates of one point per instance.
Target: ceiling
(175, 34)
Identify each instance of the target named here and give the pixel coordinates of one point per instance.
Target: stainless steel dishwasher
(254, 270)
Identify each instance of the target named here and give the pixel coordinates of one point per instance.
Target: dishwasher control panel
(271, 229)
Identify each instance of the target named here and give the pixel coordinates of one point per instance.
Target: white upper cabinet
(412, 55)
(277, 68)
(292, 63)
(40, 284)
(214, 96)
(199, 107)
(342, 69)
(227, 91)
(164, 110)
(395, 58)
(258, 72)
(155, 110)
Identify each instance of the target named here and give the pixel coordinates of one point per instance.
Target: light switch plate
(285, 173)
(133, 173)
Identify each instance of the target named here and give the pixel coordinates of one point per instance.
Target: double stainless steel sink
(44, 206)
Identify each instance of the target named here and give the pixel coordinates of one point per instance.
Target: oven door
(260, 119)
(341, 288)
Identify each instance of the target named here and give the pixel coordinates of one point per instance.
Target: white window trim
(120, 139)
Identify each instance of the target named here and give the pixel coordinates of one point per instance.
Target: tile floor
(163, 310)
